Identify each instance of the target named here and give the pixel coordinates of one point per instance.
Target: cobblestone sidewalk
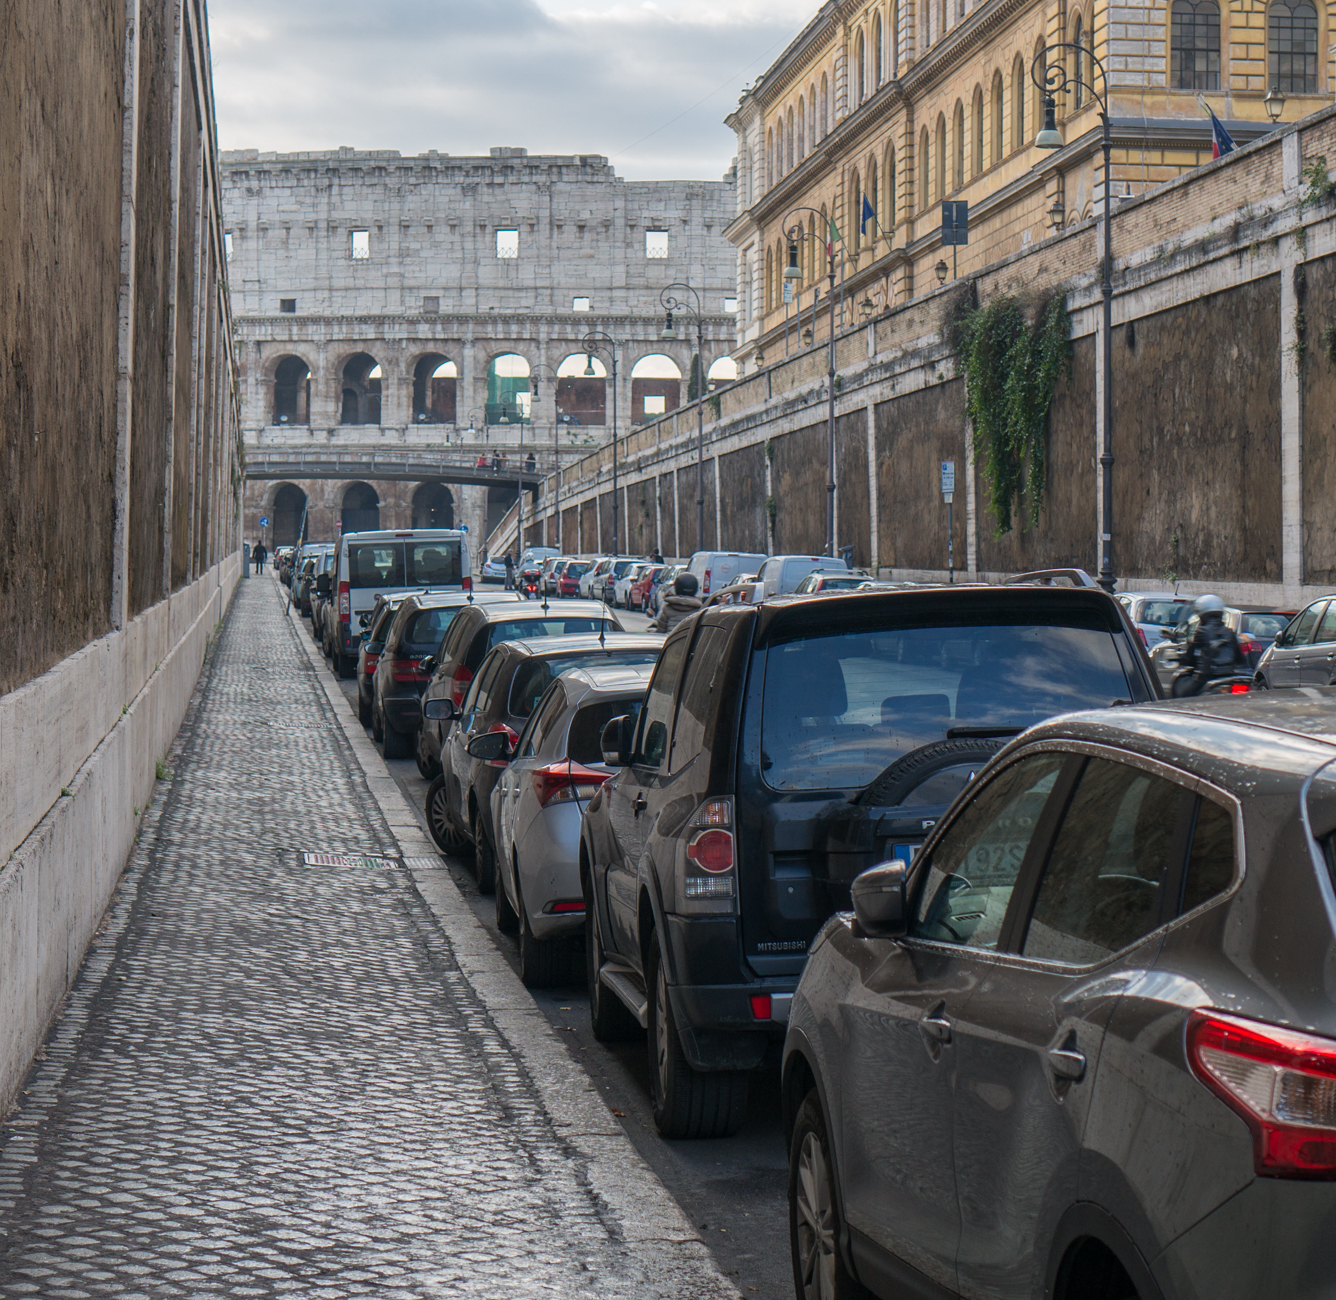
(274, 1079)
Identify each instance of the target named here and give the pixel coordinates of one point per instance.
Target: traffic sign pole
(949, 493)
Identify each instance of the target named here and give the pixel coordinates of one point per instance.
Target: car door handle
(1067, 1063)
(936, 1028)
(640, 803)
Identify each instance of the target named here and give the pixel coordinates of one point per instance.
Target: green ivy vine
(1011, 368)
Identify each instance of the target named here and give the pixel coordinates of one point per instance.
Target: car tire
(915, 767)
(439, 823)
(363, 710)
(609, 1018)
(395, 744)
(377, 728)
(507, 919)
(686, 1103)
(426, 769)
(544, 963)
(484, 860)
(819, 1272)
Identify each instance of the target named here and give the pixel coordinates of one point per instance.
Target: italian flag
(834, 238)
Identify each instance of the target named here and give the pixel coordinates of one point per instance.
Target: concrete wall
(1224, 386)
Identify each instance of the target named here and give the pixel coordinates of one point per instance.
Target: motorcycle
(528, 584)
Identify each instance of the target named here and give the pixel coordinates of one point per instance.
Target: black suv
(782, 749)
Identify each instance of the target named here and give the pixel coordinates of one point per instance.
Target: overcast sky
(646, 84)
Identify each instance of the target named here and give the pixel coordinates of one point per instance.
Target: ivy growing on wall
(1011, 367)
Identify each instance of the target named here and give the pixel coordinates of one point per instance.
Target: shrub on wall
(1011, 367)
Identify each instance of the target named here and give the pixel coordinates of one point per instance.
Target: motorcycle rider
(1210, 649)
(681, 604)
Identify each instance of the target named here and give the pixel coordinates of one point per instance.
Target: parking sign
(948, 478)
(264, 521)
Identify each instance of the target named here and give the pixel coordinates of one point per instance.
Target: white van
(781, 574)
(378, 563)
(714, 570)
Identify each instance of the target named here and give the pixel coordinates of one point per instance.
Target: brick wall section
(742, 496)
(1319, 408)
(798, 482)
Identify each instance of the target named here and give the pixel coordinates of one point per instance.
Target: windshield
(838, 710)
(1265, 627)
(535, 676)
(527, 629)
(1162, 613)
(433, 564)
(427, 628)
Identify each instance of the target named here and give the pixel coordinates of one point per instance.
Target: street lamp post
(539, 373)
(795, 234)
(1054, 80)
(598, 343)
(670, 304)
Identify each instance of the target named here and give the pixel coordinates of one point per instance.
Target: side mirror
(1280, 637)
(880, 909)
(427, 665)
(322, 584)
(439, 710)
(616, 741)
(364, 620)
(491, 746)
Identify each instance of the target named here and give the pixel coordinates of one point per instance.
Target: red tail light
(371, 662)
(567, 905)
(566, 783)
(760, 1005)
(1240, 688)
(1248, 645)
(345, 603)
(407, 670)
(712, 850)
(1282, 1083)
(707, 583)
(1141, 632)
(468, 583)
(459, 687)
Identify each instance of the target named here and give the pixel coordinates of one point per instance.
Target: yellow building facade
(882, 109)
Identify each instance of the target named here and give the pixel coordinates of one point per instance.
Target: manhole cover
(357, 861)
(302, 726)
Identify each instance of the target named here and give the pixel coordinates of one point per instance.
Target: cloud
(647, 84)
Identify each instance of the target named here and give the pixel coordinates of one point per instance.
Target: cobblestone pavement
(276, 1080)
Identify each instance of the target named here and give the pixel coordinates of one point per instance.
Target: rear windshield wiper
(981, 733)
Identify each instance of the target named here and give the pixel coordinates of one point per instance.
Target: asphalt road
(734, 1189)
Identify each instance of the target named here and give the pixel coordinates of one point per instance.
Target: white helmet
(1205, 605)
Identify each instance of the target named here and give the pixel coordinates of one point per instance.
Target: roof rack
(1053, 578)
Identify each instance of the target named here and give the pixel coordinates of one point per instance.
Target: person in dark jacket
(259, 555)
(683, 603)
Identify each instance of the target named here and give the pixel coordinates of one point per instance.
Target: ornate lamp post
(539, 373)
(671, 303)
(597, 343)
(795, 235)
(1053, 79)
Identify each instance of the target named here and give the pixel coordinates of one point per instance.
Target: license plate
(905, 852)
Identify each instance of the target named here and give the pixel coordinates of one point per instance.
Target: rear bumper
(402, 712)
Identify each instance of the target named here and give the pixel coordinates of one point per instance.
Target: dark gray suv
(1085, 1046)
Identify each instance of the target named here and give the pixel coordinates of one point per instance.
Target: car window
(652, 739)
(1161, 613)
(433, 564)
(378, 564)
(454, 638)
(536, 675)
(1102, 886)
(1210, 869)
(967, 888)
(584, 743)
(1301, 630)
(540, 725)
(480, 692)
(1326, 630)
(838, 710)
(427, 627)
(1265, 627)
(707, 653)
(533, 628)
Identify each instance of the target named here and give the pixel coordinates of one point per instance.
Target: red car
(569, 582)
(639, 590)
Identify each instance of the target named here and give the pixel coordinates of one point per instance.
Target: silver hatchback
(536, 809)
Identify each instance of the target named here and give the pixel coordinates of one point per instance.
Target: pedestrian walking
(260, 554)
(510, 572)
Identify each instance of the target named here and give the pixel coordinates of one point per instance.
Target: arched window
(940, 177)
(656, 387)
(433, 507)
(582, 396)
(434, 379)
(811, 117)
(958, 146)
(359, 512)
(996, 150)
(888, 202)
(855, 211)
(825, 106)
(769, 280)
(1292, 44)
(788, 142)
(870, 189)
(895, 39)
(292, 392)
(509, 396)
(976, 143)
(769, 158)
(876, 51)
(813, 251)
(1018, 103)
(361, 390)
(802, 128)
(860, 70)
(927, 26)
(1078, 39)
(1036, 94)
(289, 510)
(922, 162)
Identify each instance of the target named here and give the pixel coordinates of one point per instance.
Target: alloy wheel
(816, 1222)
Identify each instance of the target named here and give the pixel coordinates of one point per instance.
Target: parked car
(663, 586)
(740, 593)
(1256, 629)
(552, 568)
(594, 574)
(780, 574)
(818, 582)
(621, 587)
(368, 655)
(568, 581)
(1109, 1076)
(707, 870)
(313, 561)
(1156, 613)
(1304, 654)
(493, 569)
(510, 682)
(536, 809)
(716, 569)
(640, 589)
(381, 562)
(412, 641)
(474, 633)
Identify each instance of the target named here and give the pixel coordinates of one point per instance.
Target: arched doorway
(361, 390)
(656, 387)
(433, 506)
(508, 389)
(292, 392)
(723, 371)
(434, 390)
(287, 511)
(361, 509)
(582, 390)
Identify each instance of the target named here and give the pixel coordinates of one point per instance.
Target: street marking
(354, 860)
